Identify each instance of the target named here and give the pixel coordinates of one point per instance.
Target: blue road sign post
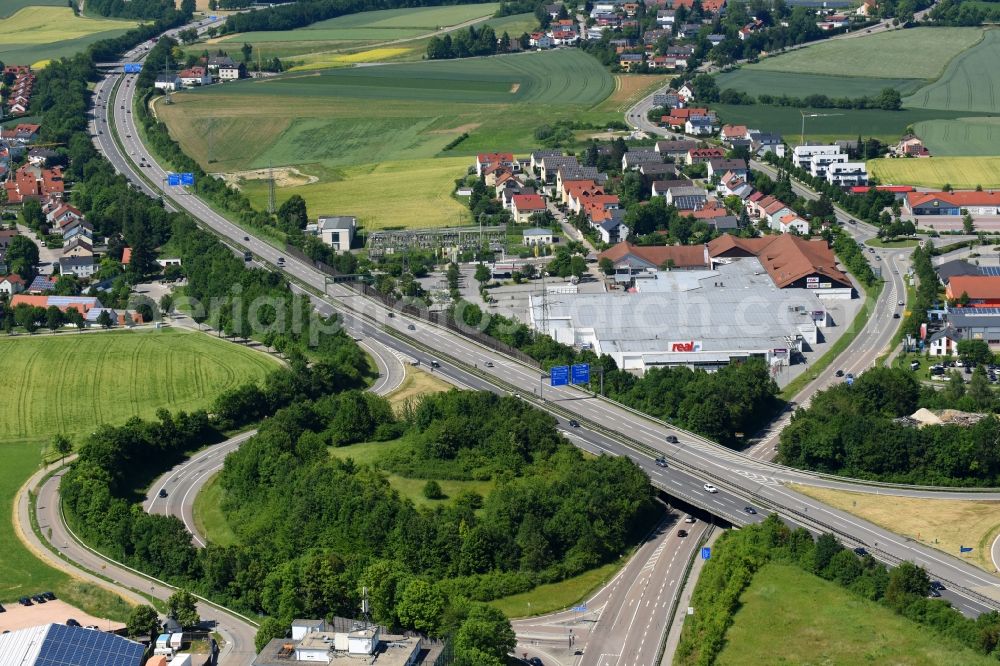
(706, 552)
(559, 375)
(582, 608)
(581, 373)
(133, 67)
(173, 179)
(187, 179)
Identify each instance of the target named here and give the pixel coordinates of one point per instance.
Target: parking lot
(52, 612)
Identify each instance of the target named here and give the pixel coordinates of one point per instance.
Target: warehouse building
(61, 645)
(703, 318)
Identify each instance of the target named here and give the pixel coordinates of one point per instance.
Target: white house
(168, 82)
(792, 222)
(802, 155)
(699, 126)
(538, 236)
(11, 284)
(337, 231)
(82, 267)
(845, 174)
(195, 76)
(686, 93)
(231, 72)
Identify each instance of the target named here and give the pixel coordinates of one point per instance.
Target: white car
(709, 488)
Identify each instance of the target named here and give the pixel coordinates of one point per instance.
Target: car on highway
(850, 376)
(901, 304)
(749, 510)
(895, 315)
(163, 492)
(672, 439)
(573, 423)
(488, 364)
(435, 364)
(839, 373)
(689, 519)
(246, 238)
(281, 261)
(682, 533)
(861, 552)
(661, 462)
(709, 488)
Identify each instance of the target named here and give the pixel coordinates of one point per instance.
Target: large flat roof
(734, 308)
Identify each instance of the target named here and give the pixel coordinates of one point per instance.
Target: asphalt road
(622, 623)
(607, 426)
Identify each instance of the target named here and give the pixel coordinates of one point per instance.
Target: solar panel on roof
(75, 646)
(990, 271)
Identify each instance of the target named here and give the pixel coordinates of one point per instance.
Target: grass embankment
(208, 517)
(416, 383)
(905, 242)
(939, 523)
(788, 616)
(557, 596)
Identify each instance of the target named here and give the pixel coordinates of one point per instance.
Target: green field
(971, 81)
(965, 136)
(553, 597)
(758, 81)
(788, 616)
(34, 35)
(11, 7)
(842, 124)
(917, 53)
(208, 516)
(73, 382)
(961, 172)
(370, 134)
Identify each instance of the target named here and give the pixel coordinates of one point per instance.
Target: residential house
(78, 247)
(719, 166)
(507, 195)
(665, 17)
(686, 30)
(676, 150)
(910, 146)
(651, 37)
(60, 215)
(775, 213)
(337, 231)
(847, 174)
(803, 156)
(666, 98)
(74, 228)
(657, 169)
(950, 269)
(599, 207)
(6, 235)
(486, 160)
(42, 284)
(232, 72)
(686, 198)
(730, 133)
(32, 182)
(732, 184)
(80, 266)
(762, 143)
(750, 28)
(698, 155)
(524, 206)
(538, 236)
(494, 174)
(194, 76)
(41, 156)
(715, 40)
(574, 192)
(943, 342)
(167, 82)
(660, 187)
(723, 223)
(631, 8)
(577, 172)
(867, 8)
(662, 62)
(536, 158)
(11, 284)
(700, 125)
(678, 117)
(792, 223)
(540, 40)
(629, 61)
(833, 22)
(953, 203)
(550, 165)
(633, 159)
(613, 229)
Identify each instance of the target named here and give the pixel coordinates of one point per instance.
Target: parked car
(850, 376)
(50, 596)
(661, 462)
(24, 601)
(72, 623)
(709, 488)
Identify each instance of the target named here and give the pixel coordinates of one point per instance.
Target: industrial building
(61, 645)
(699, 318)
(346, 642)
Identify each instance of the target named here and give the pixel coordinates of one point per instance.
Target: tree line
(739, 554)
(888, 99)
(854, 431)
(468, 42)
(314, 530)
(143, 9)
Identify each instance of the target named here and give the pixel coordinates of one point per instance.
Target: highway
(614, 428)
